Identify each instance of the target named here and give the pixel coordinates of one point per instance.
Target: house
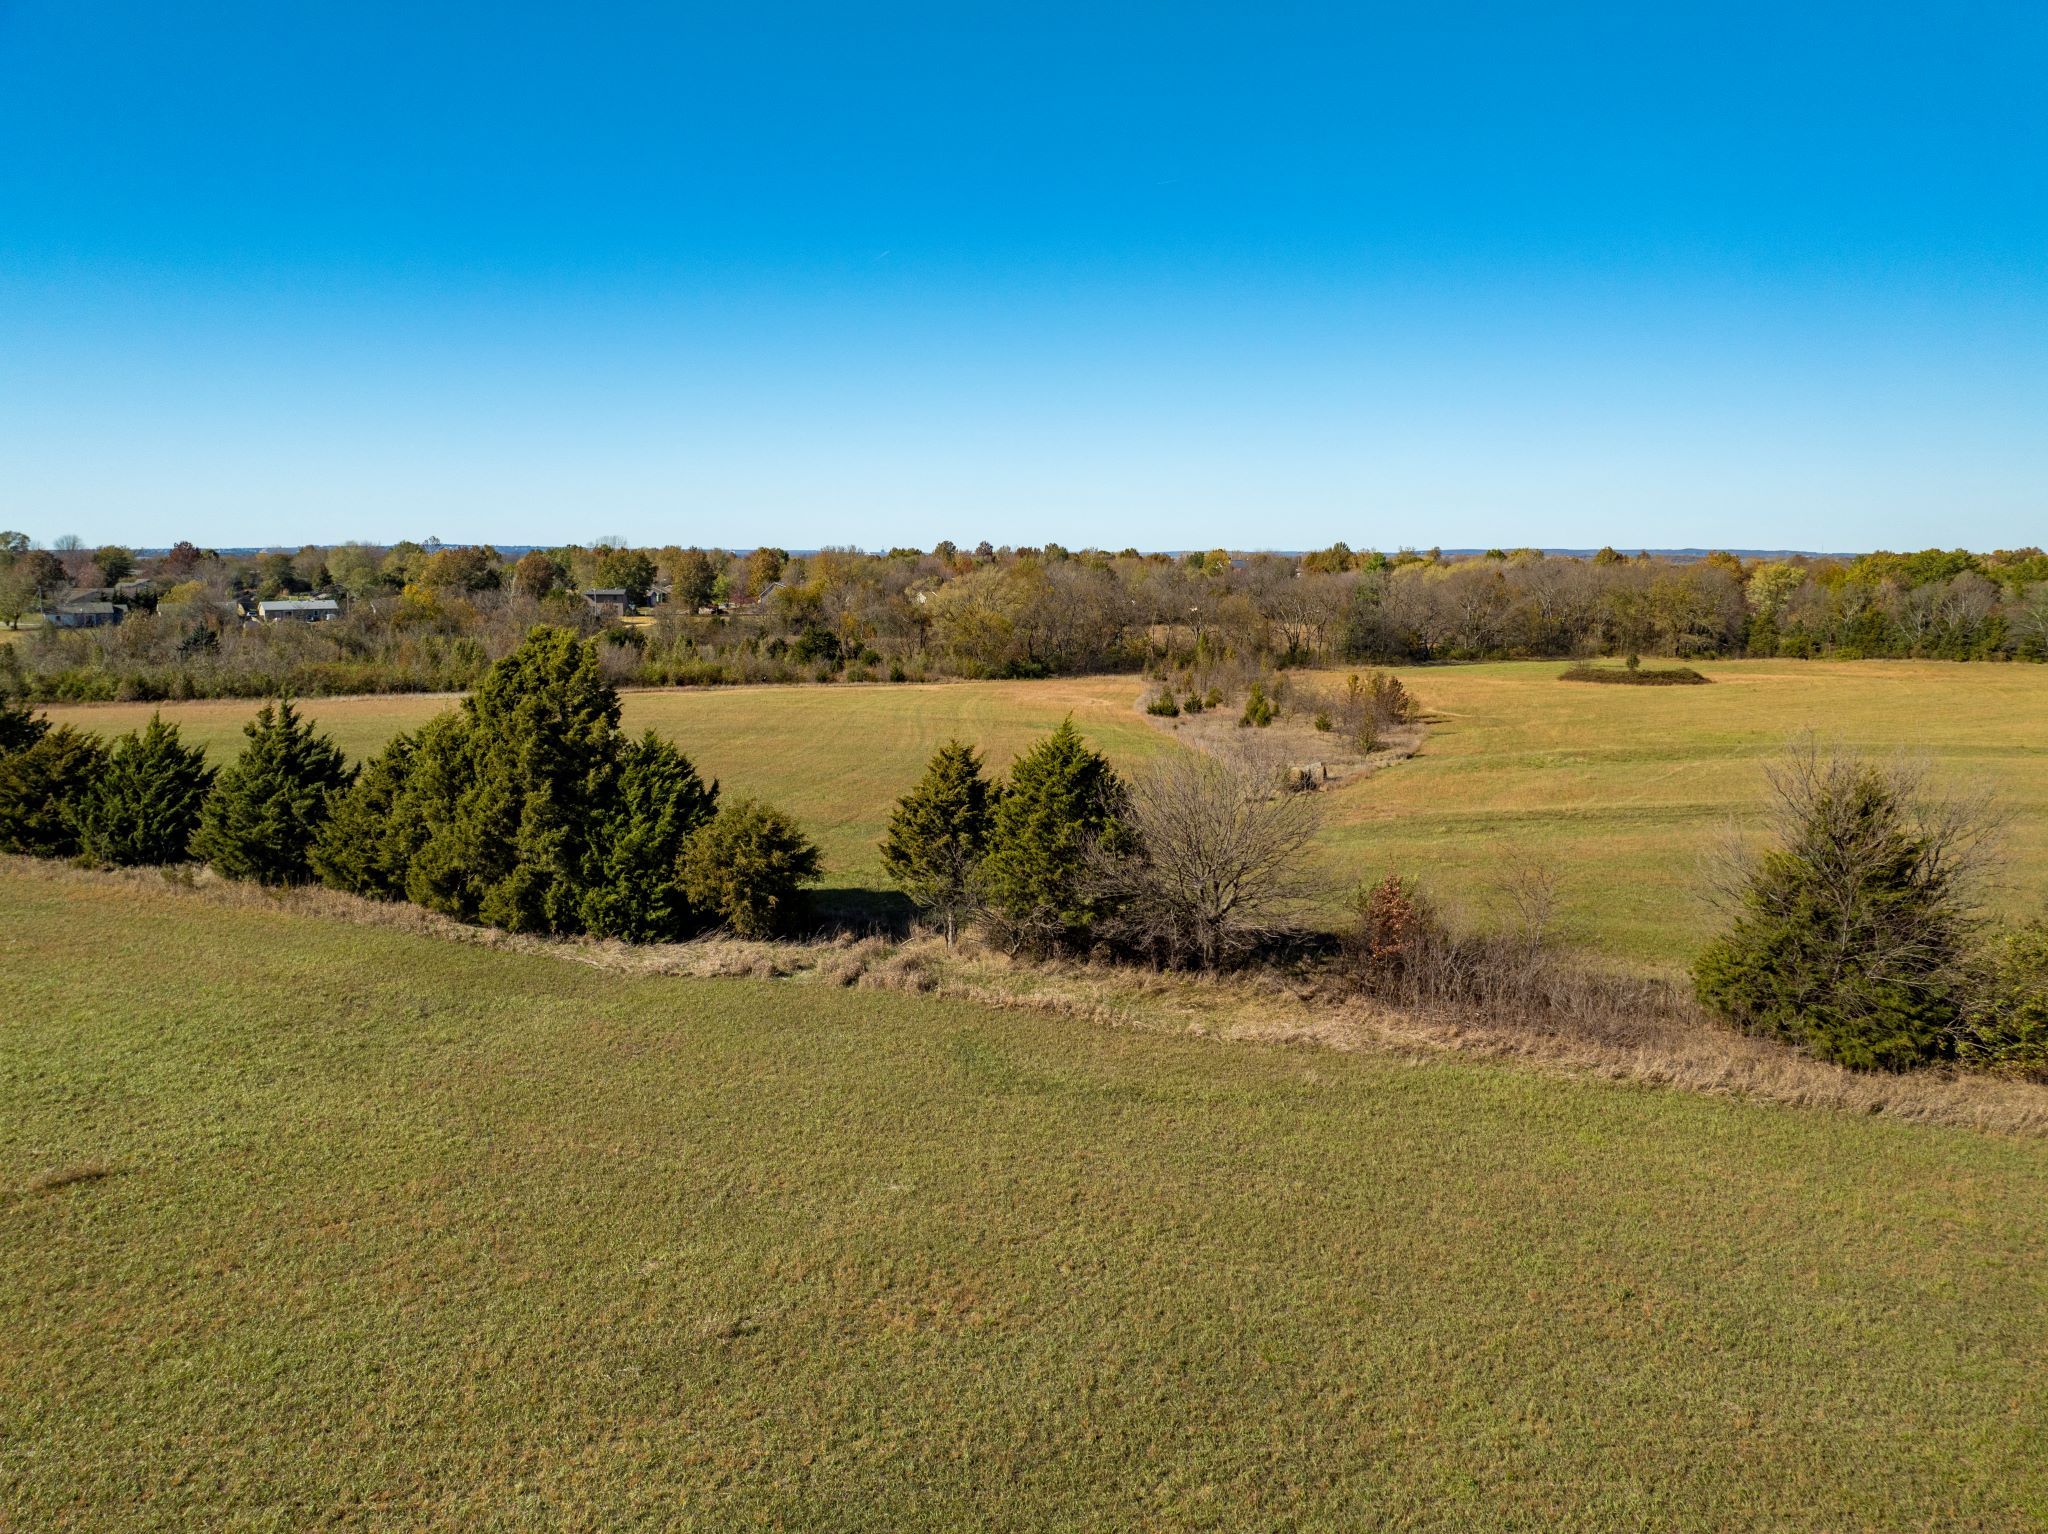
(610, 600)
(85, 615)
(299, 610)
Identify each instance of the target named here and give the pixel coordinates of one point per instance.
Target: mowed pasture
(349, 1227)
(1618, 790)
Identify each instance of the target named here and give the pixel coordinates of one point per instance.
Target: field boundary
(1260, 1008)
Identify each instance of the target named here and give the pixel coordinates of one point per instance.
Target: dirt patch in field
(1326, 755)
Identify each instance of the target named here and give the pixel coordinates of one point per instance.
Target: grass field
(1618, 789)
(1621, 789)
(354, 1228)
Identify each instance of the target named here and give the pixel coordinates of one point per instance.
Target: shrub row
(526, 808)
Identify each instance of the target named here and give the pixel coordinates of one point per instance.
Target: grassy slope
(404, 1233)
(1619, 789)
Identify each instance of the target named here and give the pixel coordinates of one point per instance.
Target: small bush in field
(1388, 700)
(1636, 675)
(1258, 708)
(2005, 1027)
(747, 867)
(1367, 707)
(1850, 934)
(1194, 705)
(1322, 721)
(1164, 706)
(1213, 698)
(1392, 925)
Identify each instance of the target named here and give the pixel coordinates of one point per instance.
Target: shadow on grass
(862, 912)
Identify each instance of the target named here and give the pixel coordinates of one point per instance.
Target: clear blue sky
(1262, 276)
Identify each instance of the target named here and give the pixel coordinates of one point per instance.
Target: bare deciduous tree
(1220, 866)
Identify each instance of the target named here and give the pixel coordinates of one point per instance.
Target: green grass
(371, 1230)
(1618, 789)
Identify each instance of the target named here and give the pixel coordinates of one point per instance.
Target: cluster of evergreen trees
(527, 808)
(1855, 935)
(64, 793)
(1021, 855)
(1199, 863)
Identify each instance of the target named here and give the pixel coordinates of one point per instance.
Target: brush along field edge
(1251, 1008)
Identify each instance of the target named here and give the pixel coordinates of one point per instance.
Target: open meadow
(351, 1227)
(1618, 790)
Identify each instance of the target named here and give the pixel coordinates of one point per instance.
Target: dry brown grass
(1637, 1031)
(1294, 735)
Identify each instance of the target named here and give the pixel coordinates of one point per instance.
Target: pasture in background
(1619, 790)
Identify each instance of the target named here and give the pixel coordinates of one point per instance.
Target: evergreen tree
(43, 787)
(19, 729)
(364, 848)
(939, 835)
(746, 868)
(1063, 802)
(430, 849)
(145, 807)
(634, 888)
(265, 810)
(1850, 936)
(511, 799)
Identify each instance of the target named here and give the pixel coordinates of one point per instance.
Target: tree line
(527, 808)
(425, 617)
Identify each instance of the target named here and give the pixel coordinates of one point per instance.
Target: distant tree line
(424, 617)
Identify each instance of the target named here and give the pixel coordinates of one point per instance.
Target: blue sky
(1260, 276)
